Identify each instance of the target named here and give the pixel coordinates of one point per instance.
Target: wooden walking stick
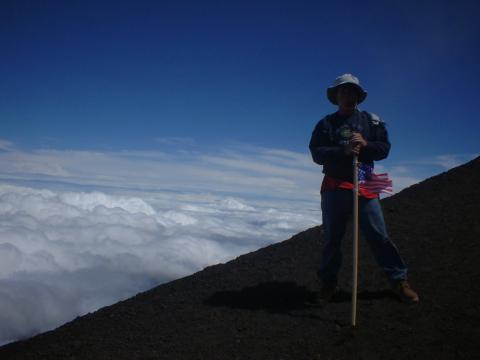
(355, 240)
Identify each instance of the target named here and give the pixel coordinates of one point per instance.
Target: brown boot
(406, 294)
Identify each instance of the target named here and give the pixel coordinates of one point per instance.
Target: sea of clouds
(64, 253)
(83, 229)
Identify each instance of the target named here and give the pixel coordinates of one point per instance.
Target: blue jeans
(337, 206)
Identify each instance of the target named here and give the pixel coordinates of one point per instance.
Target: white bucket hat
(345, 79)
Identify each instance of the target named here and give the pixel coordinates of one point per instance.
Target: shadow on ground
(281, 297)
(269, 296)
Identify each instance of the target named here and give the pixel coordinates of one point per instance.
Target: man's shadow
(270, 296)
(282, 297)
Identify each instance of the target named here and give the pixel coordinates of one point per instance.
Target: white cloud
(6, 145)
(442, 161)
(65, 253)
(176, 141)
(238, 170)
(449, 161)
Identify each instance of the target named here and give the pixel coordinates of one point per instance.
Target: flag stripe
(375, 183)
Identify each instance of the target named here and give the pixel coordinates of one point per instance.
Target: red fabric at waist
(330, 183)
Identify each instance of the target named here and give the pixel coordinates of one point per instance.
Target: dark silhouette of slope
(261, 305)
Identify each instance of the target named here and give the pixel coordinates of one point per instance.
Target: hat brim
(332, 93)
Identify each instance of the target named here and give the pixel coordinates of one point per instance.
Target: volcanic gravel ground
(262, 304)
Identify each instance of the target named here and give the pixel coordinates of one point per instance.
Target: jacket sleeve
(321, 148)
(379, 146)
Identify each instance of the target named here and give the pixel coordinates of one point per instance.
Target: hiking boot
(406, 294)
(327, 292)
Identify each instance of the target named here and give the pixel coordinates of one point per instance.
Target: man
(335, 140)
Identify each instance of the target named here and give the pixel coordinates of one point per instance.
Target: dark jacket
(332, 133)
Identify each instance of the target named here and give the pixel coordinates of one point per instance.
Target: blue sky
(141, 141)
(121, 74)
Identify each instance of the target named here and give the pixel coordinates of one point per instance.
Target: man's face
(347, 95)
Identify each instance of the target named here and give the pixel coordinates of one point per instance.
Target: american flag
(375, 183)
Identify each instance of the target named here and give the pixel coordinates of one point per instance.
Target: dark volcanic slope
(258, 306)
